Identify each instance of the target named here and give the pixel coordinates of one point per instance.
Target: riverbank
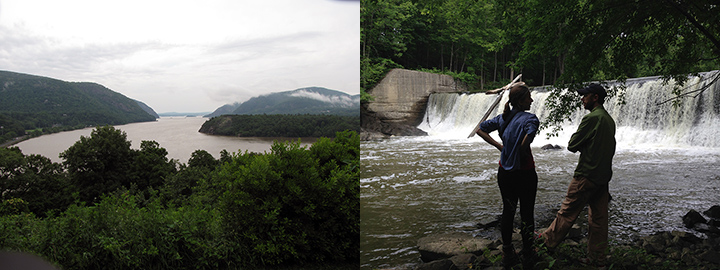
(696, 248)
(14, 141)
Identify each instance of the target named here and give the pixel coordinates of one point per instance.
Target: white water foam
(641, 122)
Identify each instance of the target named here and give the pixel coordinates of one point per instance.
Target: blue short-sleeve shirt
(512, 157)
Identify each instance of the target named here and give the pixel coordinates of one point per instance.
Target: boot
(510, 258)
(529, 258)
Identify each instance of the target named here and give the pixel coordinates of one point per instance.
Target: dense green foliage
(560, 43)
(38, 105)
(292, 206)
(310, 100)
(31, 184)
(280, 125)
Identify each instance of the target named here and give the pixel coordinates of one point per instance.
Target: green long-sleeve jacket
(595, 139)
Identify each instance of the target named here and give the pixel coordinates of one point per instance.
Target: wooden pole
(494, 105)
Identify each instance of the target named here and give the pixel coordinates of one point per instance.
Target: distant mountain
(29, 102)
(182, 114)
(147, 109)
(311, 100)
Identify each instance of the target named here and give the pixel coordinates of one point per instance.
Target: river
(178, 135)
(665, 165)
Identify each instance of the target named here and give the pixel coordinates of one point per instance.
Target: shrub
(294, 205)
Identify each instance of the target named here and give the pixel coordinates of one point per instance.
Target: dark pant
(518, 185)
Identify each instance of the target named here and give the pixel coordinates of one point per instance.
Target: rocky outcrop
(399, 102)
(443, 246)
(551, 147)
(682, 249)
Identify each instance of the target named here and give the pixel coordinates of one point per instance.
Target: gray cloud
(186, 74)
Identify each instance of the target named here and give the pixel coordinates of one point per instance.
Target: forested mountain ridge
(147, 109)
(29, 102)
(280, 125)
(310, 100)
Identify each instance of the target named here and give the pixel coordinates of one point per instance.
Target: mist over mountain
(309, 100)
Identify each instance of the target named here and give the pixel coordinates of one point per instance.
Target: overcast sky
(186, 56)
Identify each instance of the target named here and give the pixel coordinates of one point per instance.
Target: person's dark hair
(517, 92)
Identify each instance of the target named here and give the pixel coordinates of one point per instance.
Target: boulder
(400, 99)
(710, 256)
(466, 261)
(442, 246)
(488, 223)
(714, 222)
(444, 264)
(706, 228)
(692, 218)
(551, 147)
(373, 127)
(713, 212)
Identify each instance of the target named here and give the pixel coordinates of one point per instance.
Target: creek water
(666, 164)
(178, 135)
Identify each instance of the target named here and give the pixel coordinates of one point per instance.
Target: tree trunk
(452, 55)
(462, 67)
(442, 58)
(482, 71)
(543, 80)
(495, 72)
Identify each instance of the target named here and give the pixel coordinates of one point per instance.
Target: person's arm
(585, 132)
(527, 140)
(489, 139)
(531, 127)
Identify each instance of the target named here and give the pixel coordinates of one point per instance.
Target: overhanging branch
(697, 92)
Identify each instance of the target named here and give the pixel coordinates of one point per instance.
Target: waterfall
(641, 122)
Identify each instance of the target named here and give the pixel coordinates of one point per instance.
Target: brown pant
(583, 192)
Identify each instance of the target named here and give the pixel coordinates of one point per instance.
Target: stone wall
(400, 100)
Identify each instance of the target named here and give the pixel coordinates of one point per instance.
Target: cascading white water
(641, 122)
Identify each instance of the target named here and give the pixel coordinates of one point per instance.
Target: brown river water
(179, 136)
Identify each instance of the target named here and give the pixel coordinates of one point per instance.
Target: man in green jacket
(595, 139)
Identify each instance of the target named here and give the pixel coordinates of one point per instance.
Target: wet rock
(692, 218)
(551, 147)
(575, 232)
(437, 247)
(713, 212)
(706, 228)
(465, 261)
(710, 256)
(685, 236)
(656, 243)
(488, 223)
(714, 222)
(444, 264)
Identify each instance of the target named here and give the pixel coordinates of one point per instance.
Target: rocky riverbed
(696, 248)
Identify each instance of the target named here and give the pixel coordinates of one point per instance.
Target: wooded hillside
(43, 105)
(560, 43)
(280, 125)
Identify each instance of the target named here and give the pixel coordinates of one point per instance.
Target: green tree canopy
(100, 163)
(559, 43)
